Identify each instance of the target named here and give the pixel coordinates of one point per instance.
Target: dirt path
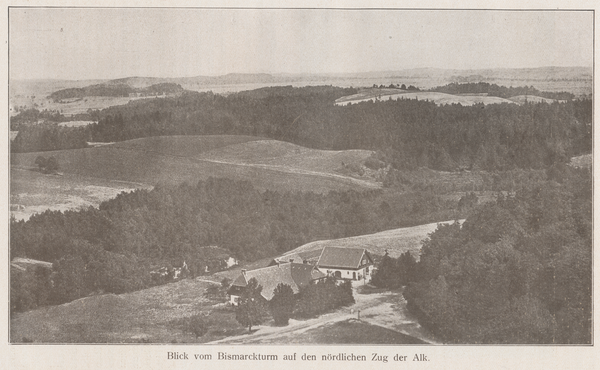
(387, 309)
(299, 171)
(268, 167)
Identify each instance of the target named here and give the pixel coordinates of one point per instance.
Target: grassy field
(92, 175)
(149, 315)
(182, 146)
(352, 331)
(436, 97)
(159, 314)
(33, 192)
(396, 241)
(281, 154)
(174, 160)
(74, 106)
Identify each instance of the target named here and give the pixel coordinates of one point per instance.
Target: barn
(346, 263)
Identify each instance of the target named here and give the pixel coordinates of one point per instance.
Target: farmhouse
(346, 263)
(296, 275)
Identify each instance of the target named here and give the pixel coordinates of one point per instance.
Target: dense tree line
(393, 273)
(114, 90)
(500, 91)
(323, 296)
(411, 133)
(519, 270)
(49, 136)
(112, 249)
(33, 116)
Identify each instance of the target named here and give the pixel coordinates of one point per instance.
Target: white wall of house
(349, 274)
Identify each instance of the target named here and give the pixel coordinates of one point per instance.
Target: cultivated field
(74, 106)
(33, 192)
(76, 123)
(436, 97)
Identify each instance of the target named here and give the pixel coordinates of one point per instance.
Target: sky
(105, 43)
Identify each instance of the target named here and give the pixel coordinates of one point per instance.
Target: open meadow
(33, 192)
(92, 175)
(176, 160)
(152, 315)
(436, 97)
(395, 242)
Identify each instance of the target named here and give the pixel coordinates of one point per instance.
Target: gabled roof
(310, 256)
(296, 275)
(346, 258)
(303, 274)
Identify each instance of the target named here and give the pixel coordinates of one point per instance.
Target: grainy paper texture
(315, 43)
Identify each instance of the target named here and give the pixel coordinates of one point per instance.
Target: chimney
(291, 260)
(244, 272)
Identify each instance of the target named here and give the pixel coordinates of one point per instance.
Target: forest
(517, 271)
(500, 91)
(114, 248)
(411, 133)
(114, 90)
(407, 133)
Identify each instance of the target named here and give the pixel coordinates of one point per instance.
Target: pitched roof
(299, 257)
(296, 275)
(347, 258)
(303, 274)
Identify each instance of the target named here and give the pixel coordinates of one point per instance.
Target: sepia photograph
(297, 177)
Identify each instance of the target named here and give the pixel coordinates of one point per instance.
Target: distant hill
(421, 77)
(113, 89)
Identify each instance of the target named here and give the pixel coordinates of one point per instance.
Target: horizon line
(299, 73)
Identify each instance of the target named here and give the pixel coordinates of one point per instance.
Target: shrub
(282, 304)
(197, 326)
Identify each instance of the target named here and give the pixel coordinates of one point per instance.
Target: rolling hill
(395, 241)
(268, 164)
(92, 174)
